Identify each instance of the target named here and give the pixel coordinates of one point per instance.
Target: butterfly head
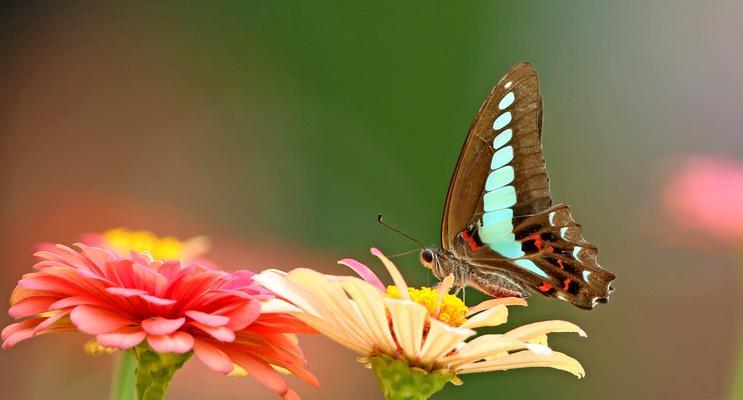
(437, 261)
(428, 258)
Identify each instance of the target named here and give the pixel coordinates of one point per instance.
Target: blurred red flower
(171, 305)
(705, 193)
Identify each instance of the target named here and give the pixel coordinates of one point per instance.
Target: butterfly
(500, 232)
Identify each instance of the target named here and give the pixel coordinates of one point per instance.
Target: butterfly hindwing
(556, 261)
(498, 214)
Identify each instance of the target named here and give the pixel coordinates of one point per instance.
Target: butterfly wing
(499, 214)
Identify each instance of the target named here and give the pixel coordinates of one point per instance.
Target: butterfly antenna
(403, 253)
(379, 218)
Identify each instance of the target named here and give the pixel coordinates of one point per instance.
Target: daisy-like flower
(415, 340)
(163, 311)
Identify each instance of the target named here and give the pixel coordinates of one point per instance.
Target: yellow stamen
(446, 308)
(122, 241)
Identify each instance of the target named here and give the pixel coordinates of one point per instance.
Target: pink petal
(220, 333)
(47, 283)
(94, 320)
(122, 339)
(162, 326)
(178, 342)
(261, 371)
(51, 321)
(208, 319)
(17, 337)
(213, 357)
(244, 315)
(9, 330)
(77, 301)
(363, 271)
(31, 306)
(290, 395)
(125, 292)
(158, 301)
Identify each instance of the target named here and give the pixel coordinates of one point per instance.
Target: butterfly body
(500, 232)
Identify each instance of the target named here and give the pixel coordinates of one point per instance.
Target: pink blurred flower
(226, 319)
(706, 193)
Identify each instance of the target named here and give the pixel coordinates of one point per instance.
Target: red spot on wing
(566, 283)
(469, 240)
(537, 241)
(546, 287)
(559, 262)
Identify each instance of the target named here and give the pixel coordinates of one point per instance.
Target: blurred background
(281, 129)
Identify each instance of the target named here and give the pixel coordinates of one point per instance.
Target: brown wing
(498, 214)
(464, 201)
(555, 259)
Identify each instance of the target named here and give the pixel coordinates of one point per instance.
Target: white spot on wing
(585, 275)
(502, 120)
(508, 84)
(576, 251)
(507, 100)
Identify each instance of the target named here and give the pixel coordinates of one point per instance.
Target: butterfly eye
(427, 256)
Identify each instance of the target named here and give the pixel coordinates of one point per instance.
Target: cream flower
(360, 315)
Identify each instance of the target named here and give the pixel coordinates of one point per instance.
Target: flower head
(424, 328)
(706, 193)
(135, 301)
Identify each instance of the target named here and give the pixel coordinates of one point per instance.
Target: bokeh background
(281, 129)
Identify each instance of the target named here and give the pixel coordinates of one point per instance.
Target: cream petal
(526, 359)
(371, 307)
(445, 285)
(493, 317)
(331, 292)
(541, 339)
(539, 349)
(483, 347)
(277, 282)
(537, 329)
(402, 287)
(277, 306)
(333, 333)
(315, 312)
(441, 339)
(488, 304)
(408, 321)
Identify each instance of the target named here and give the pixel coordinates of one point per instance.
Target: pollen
(123, 241)
(446, 308)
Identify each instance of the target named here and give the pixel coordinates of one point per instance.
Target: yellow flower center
(122, 241)
(446, 308)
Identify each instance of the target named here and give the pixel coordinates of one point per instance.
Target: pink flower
(224, 318)
(706, 194)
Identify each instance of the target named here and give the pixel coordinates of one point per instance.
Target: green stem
(155, 371)
(123, 379)
(399, 381)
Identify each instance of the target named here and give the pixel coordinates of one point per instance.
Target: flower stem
(155, 371)
(399, 381)
(123, 379)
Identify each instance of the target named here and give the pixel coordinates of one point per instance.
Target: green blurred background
(281, 129)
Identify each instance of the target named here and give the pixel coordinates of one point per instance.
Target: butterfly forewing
(498, 212)
(505, 133)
